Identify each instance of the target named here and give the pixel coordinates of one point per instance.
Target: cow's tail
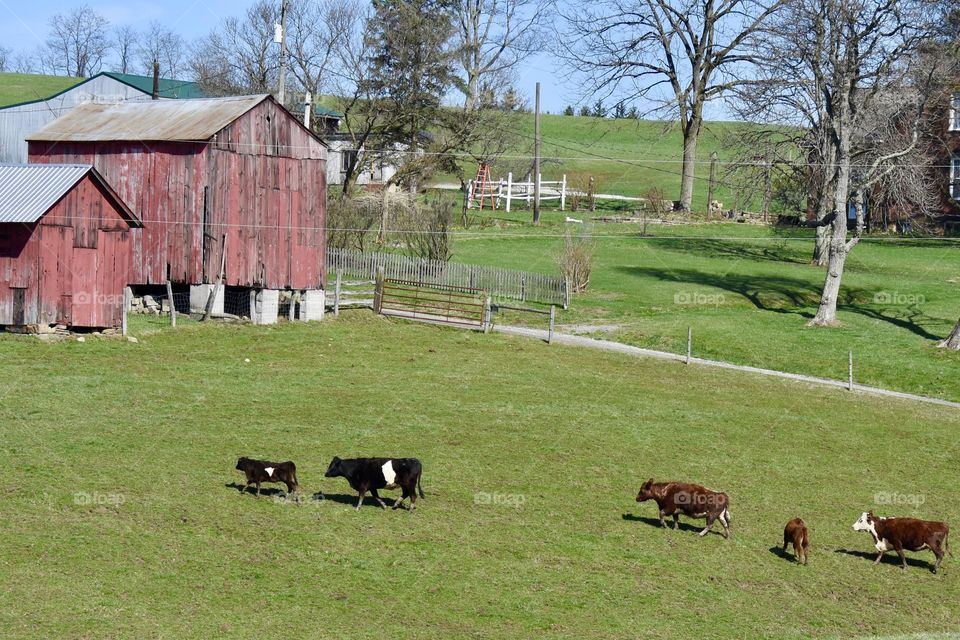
(946, 543)
(419, 489)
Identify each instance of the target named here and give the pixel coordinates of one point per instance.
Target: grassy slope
(643, 154)
(757, 290)
(21, 87)
(574, 432)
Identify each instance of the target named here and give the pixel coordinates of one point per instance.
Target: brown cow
(795, 533)
(911, 534)
(692, 500)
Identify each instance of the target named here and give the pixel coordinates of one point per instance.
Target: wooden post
(566, 293)
(552, 316)
(591, 201)
(173, 308)
(126, 307)
(487, 320)
(216, 288)
(291, 308)
(711, 190)
(509, 189)
(378, 291)
(536, 159)
(563, 192)
(767, 182)
(850, 371)
(336, 296)
(689, 343)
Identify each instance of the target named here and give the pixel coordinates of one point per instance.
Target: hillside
(627, 157)
(23, 87)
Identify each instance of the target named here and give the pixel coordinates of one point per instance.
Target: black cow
(370, 474)
(257, 471)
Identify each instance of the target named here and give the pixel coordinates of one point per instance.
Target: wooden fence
(500, 284)
(432, 303)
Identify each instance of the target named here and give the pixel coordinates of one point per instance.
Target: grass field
(22, 87)
(747, 292)
(120, 520)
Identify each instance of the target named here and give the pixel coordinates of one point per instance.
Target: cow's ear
(648, 483)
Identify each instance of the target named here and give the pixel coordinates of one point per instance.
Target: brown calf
(691, 500)
(795, 533)
(911, 534)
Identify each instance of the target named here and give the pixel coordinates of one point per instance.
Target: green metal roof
(168, 88)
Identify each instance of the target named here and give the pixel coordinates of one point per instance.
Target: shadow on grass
(368, 500)
(746, 249)
(778, 551)
(684, 526)
(888, 558)
(782, 294)
(269, 492)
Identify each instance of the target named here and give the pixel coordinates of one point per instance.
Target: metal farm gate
(461, 307)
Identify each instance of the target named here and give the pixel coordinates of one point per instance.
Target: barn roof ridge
(29, 191)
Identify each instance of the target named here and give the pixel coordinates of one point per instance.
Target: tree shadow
(684, 526)
(890, 557)
(759, 251)
(793, 296)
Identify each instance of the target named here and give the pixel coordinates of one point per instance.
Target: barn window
(348, 158)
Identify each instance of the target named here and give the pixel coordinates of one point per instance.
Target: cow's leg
(707, 528)
(258, 488)
(244, 488)
(413, 499)
(676, 521)
(376, 496)
(903, 557)
(403, 495)
(663, 523)
(726, 526)
(360, 501)
(879, 557)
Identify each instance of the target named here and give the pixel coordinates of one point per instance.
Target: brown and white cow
(897, 534)
(692, 500)
(795, 533)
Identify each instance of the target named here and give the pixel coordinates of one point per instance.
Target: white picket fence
(507, 190)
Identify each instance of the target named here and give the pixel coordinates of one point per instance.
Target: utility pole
(713, 184)
(280, 36)
(307, 108)
(536, 160)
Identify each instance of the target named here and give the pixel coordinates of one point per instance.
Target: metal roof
(169, 88)
(156, 120)
(28, 191)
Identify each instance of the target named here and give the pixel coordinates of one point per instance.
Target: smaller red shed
(65, 246)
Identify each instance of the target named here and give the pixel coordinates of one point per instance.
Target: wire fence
(502, 284)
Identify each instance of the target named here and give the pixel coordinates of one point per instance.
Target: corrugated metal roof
(27, 191)
(158, 120)
(169, 88)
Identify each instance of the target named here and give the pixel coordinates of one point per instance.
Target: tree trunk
(691, 136)
(953, 340)
(827, 312)
(821, 246)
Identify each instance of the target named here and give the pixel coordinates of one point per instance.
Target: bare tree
(77, 43)
(678, 54)
(843, 68)
(161, 45)
(492, 38)
(125, 39)
(239, 56)
(315, 34)
(6, 57)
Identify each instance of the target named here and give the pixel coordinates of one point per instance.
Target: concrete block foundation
(312, 302)
(264, 306)
(200, 293)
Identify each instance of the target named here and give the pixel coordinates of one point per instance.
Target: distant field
(627, 157)
(23, 87)
(747, 292)
(119, 517)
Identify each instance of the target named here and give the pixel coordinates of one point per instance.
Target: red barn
(65, 246)
(237, 180)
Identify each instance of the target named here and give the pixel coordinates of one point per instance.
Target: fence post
(470, 194)
(689, 343)
(563, 192)
(509, 189)
(552, 316)
(527, 188)
(487, 320)
(566, 293)
(378, 291)
(292, 308)
(173, 307)
(336, 297)
(850, 371)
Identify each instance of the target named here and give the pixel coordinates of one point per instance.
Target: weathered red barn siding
(72, 265)
(260, 181)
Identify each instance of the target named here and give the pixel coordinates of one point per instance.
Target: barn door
(19, 306)
(85, 294)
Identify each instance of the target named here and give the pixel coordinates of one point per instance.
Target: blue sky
(23, 26)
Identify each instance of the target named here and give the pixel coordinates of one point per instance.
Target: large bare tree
(853, 73)
(125, 40)
(316, 34)
(162, 46)
(77, 43)
(676, 54)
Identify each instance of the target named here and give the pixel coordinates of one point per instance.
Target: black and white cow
(257, 471)
(371, 474)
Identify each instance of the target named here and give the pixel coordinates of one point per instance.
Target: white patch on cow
(883, 545)
(269, 471)
(388, 473)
